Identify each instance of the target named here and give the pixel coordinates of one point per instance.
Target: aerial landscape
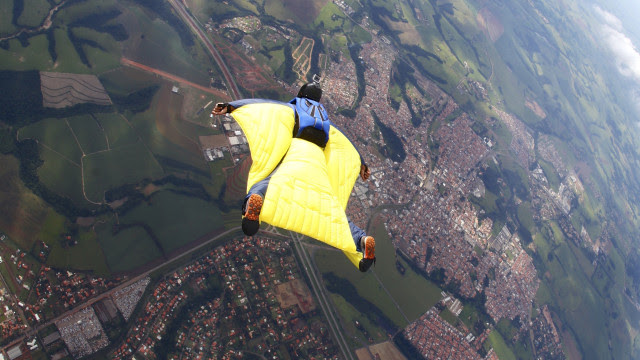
(503, 140)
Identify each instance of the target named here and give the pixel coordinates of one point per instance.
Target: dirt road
(166, 75)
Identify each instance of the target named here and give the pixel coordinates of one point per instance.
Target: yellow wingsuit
(309, 191)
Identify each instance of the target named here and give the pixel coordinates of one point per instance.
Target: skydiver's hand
(364, 172)
(221, 109)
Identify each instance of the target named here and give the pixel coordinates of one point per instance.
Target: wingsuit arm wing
(343, 165)
(268, 126)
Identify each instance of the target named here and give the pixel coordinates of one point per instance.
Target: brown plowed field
(295, 293)
(60, 90)
(385, 350)
(491, 25)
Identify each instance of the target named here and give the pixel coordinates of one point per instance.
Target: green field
(103, 58)
(126, 165)
(68, 59)
(331, 17)
(145, 126)
(301, 13)
(128, 249)
(61, 176)
(34, 56)
(87, 131)
(34, 12)
(83, 9)
(117, 131)
(396, 283)
(126, 80)
(177, 220)
(413, 293)
(500, 347)
(21, 212)
(56, 135)
(6, 13)
(86, 255)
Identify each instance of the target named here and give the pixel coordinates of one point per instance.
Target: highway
(197, 30)
(318, 289)
(307, 264)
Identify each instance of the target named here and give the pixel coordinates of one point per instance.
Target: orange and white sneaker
(368, 246)
(250, 222)
(253, 207)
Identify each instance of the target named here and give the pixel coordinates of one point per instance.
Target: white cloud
(626, 55)
(609, 18)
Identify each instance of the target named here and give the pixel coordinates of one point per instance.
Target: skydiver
(312, 124)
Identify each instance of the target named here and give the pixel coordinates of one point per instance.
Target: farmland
(86, 151)
(126, 165)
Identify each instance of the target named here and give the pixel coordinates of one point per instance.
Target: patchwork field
(61, 90)
(85, 154)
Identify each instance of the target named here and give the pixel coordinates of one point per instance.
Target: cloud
(609, 18)
(626, 55)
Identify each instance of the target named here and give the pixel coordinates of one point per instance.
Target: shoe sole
(369, 248)
(254, 205)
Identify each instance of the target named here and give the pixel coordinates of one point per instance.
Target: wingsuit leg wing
(343, 167)
(300, 198)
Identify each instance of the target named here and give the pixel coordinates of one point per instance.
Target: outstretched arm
(222, 108)
(225, 108)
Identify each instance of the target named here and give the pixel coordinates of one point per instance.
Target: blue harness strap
(312, 113)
